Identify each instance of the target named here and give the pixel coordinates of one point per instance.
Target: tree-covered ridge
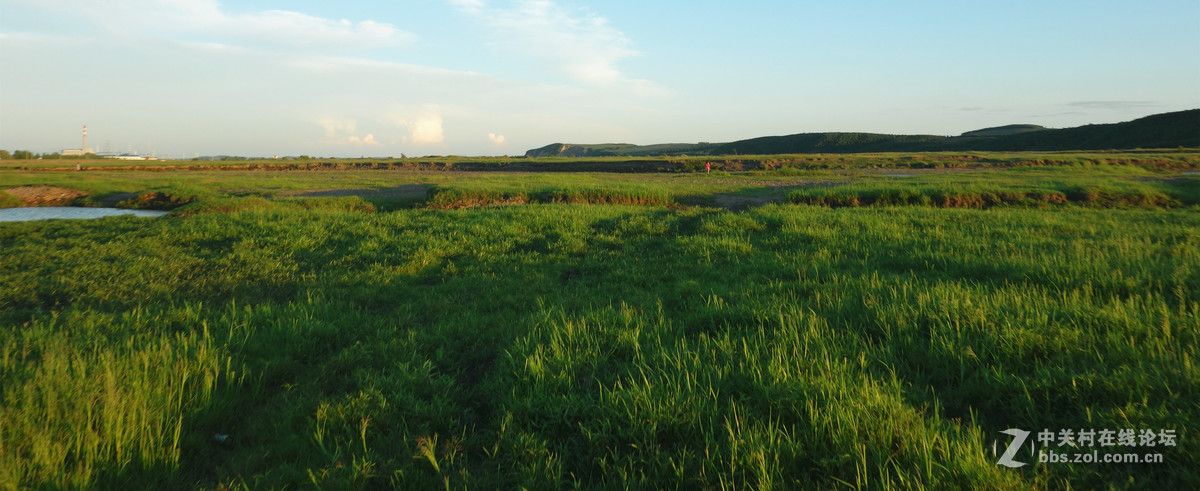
(1168, 130)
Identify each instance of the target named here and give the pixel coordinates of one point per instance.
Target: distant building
(77, 152)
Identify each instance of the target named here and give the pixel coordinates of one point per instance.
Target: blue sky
(492, 77)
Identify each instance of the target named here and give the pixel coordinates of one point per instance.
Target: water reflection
(68, 212)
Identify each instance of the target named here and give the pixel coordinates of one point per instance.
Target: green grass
(341, 343)
(1182, 158)
(992, 179)
(1105, 187)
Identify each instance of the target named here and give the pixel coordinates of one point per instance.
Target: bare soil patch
(45, 195)
(154, 200)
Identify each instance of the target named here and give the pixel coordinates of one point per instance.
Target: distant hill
(620, 150)
(828, 143)
(1168, 130)
(1011, 129)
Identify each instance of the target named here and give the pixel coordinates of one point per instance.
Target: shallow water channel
(26, 214)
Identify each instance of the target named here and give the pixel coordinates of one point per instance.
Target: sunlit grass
(601, 345)
(273, 341)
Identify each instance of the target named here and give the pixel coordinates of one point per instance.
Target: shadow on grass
(384, 199)
(513, 347)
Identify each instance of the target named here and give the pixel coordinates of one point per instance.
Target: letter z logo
(1006, 459)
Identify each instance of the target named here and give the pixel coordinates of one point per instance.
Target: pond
(26, 214)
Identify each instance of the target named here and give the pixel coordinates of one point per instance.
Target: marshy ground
(786, 328)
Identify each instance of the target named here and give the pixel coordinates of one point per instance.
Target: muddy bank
(45, 195)
(60, 196)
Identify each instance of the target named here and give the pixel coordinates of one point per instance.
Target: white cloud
(341, 64)
(34, 38)
(288, 100)
(170, 18)
(583, 46)
(424, 126)
(341, 132)
(334, 127)
(294, 28)
(217, 48)
(427, 131)
(368, 140)
(1115, 105)
(471, 6)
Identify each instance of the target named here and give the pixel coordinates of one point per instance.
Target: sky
(181, 78)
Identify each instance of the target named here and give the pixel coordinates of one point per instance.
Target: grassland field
(811, 322)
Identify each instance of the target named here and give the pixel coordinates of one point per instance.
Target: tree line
(27, 155)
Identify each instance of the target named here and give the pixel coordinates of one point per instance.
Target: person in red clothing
(708, 167)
